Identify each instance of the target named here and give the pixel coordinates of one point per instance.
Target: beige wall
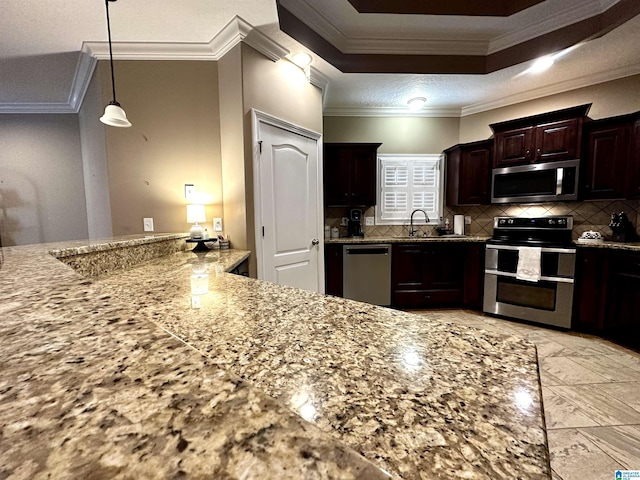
(608, 99)
(94, 162)
(174, 140)
(232, 147)
(41, 182)
(397, 134)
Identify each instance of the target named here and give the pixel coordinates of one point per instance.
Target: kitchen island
(267, 381)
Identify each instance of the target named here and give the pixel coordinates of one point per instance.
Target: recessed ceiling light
(416, 103)
(301, 59)
(541, 64)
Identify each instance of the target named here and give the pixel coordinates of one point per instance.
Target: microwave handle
(559, 178)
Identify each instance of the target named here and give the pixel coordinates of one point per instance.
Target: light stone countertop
(92, 388)
(93, 379)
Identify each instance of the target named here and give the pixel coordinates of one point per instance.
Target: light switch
(147, 224)
(217, 224)
(467, 219)
(189, 190)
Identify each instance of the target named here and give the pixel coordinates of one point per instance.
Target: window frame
(410, 158)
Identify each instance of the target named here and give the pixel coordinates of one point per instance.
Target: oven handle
(544, 278)
(543, 249)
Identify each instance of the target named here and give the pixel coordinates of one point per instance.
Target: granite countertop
(267, 382)
(447, 238)
(633, 246)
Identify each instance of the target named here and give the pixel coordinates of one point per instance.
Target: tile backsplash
(593, 215)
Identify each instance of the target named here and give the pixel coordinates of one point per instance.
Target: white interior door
(288, 204)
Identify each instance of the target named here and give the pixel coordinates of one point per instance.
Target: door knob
(315, 241)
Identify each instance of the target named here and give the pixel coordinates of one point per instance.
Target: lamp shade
(196, 213)
(115, 116)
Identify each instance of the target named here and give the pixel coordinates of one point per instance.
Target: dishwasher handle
(367, 251)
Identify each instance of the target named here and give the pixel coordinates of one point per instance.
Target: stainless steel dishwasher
(366, 273)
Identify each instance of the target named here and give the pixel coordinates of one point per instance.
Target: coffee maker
(354, 227)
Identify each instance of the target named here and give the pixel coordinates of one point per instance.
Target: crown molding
(234, 32)
(561, 19)
(560, 87)
(391, 112)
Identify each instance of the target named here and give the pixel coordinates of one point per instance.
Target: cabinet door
(633, 165)
(590, 290)
(475, 170)
(362, 177)
(336, 176)
(606, 162)
(557, 141)
(445, 267)
(623, 321)
(333, 269)
(474, 275)
(408, 270)
(513, 147)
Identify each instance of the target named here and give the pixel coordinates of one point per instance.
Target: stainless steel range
(529, 269)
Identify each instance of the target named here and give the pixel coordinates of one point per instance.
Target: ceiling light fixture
(114, 114)
(416, 103)
(542, 64)
(301, 59)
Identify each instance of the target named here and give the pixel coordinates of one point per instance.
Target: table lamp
(196, 214)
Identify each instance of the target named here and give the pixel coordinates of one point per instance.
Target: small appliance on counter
(590, 237)
(623, 230)
(354, 227)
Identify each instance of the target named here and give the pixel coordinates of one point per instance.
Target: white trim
(234, 32)
(445, 112)
(560, 87)
(257, 118)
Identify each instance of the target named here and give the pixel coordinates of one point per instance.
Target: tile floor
(591, 396)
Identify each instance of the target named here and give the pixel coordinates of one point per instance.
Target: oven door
(548, 301)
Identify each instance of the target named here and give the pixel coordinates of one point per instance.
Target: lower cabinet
(607, 294)
(333, 269)
(435, 274)
(623, 321)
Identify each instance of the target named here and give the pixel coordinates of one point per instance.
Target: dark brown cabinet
(350, 174)
(426, 274)
(607, 296)
(622, 322)
(548, 137)
(468, 170)
(590, 294)
(609, 169)
(333, 269)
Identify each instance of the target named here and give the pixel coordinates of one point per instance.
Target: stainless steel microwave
(537, 182)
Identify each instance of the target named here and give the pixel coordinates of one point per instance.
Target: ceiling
(465, 56)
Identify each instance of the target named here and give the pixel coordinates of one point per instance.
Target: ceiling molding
(561, 87)
(310, 28)
(487, 8)
(236, 31)
(560, 19)
(391, 112)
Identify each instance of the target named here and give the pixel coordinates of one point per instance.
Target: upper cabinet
(468, 173)
(611, 162)
(540, 138)
(350, 174)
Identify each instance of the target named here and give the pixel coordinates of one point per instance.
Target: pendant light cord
(113, 80)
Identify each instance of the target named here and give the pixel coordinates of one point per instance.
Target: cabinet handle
(528, 152)
(427, 297)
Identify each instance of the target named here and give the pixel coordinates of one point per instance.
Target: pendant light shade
(114, 114)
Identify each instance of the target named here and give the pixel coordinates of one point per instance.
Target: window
(408, 182)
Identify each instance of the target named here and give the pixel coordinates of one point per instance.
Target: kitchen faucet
(412, 232)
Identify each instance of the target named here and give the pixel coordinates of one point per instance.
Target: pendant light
(113, 113)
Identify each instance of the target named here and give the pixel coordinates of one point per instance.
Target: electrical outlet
(344, 222)
(368, 221)
(147, 224)
(467, 219)
(217, 224)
